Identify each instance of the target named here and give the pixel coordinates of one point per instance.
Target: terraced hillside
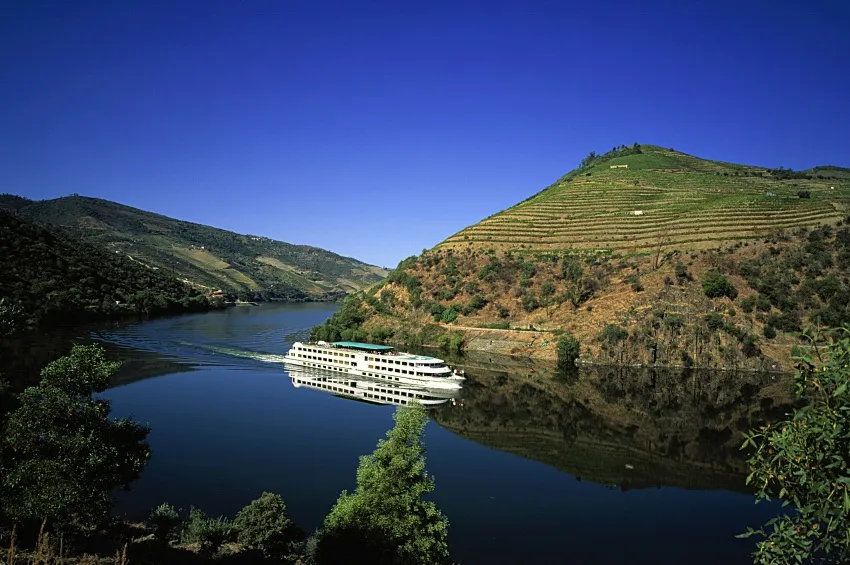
(247, 266)
(635, 202)
(672, 261)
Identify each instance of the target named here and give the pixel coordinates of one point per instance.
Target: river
(601, 467)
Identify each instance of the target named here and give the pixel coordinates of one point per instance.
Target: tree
(386, 519)
(264, 525)
(64, 456)
(716, 285)
(568, 351)
(803, 461)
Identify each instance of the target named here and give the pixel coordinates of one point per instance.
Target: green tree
(63, 455)
(265, 526)
(386, 519)
(716, 285)
(568, 351)
(804, 460)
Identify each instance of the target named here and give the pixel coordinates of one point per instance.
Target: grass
(686, 202)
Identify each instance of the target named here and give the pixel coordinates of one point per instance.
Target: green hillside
(633, 199)
(47, 278)
(249, 266)
(722, 268)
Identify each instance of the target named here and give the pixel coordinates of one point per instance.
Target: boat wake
(241, 353)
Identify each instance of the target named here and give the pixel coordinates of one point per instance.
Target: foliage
(387, 519)
(714, 321)
(64, 456)
(568, 350)
(612, 333)
(803, 461)
(210, 533)
(449, 315)
(193, 251)
(345, 324)
(165, 520)
(264, 525)
(769, 332)
(715, 285)
(48, 278)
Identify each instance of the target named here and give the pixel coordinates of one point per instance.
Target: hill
(722, 266)
(47, 277)
(632, 202)
(247, 266)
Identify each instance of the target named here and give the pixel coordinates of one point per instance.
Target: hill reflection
(624, 428)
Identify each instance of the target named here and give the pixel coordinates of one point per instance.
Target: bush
(714, 321)
(803, 461)
(449, 315)
(769, 332)
(568, 351)
(265, 526)
(165, 520)
(612, 333)
(804, 194)
(716, 285)
(210, 533)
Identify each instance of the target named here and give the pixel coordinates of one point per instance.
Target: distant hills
(49, 278)
(208, 258)
(646, 254)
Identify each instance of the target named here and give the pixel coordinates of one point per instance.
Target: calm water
(603, 467)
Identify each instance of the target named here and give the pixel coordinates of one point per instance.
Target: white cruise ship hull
(400, 369)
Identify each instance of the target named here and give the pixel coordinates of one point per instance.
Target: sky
(376, 129)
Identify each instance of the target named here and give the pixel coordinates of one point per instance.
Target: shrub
(210, 533)
(381, 334)
(568, 351)
(504, 312)
(165, 520)
(530, 302)
(449, 315)
(265, 526)
(612, 333)
(769, 332)
(803, 461)
(804, 194)
(547, 288)
(714, 321)
(716, 285)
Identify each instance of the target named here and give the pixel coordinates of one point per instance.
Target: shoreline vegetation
(52, 516)
(49, 515)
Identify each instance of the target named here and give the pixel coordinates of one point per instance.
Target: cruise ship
(378, 362)
(368, 390)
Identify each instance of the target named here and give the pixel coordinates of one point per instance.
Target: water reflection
(368, 390)
(620, 427)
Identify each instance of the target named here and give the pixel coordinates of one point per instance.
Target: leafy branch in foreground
(804, 460)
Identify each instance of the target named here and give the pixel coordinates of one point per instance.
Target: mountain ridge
(244, 265)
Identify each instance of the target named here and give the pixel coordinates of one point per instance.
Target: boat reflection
(369, 390)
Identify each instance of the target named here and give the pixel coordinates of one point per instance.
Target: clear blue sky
(375, 129)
